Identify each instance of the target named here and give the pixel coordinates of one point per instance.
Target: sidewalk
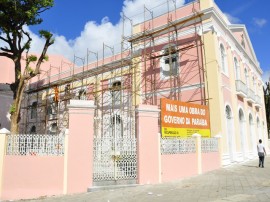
(241, 182)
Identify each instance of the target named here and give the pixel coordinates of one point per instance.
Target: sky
(83, 25)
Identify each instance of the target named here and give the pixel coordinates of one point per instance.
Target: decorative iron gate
(115, 154)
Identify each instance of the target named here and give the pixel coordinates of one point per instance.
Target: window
(250, 119)
(223, 59)
(258, 122)
(33, 130)
(241, 115)
(34, 110)
(116, 92)
(246, 77)
(237, 69)
(228, 112)
(254, 85)
(53, 128)
(52, 109)
(82, 94)
(169, 62)
(67, 89)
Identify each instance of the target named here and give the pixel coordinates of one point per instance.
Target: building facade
(235, 86)
(190, 54)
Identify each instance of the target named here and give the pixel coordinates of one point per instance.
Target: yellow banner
(184, 132)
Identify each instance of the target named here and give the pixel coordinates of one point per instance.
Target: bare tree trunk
(18, 90)
(16, 115)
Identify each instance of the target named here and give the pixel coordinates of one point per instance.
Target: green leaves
(12, 109)
(46, 58)
(266, 90)
(45, 34)
(31, 58)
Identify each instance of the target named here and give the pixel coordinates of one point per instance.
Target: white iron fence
(115, 158)
(36, 145)
(209, 145)
(177, 145)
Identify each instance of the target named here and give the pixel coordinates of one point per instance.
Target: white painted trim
(4, 131)
(146, 110)
(81, 104)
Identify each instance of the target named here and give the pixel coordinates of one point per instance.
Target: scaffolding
(145, 70)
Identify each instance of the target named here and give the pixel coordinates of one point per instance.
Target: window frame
(166, 57)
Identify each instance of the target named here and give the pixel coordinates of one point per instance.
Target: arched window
(242, 128)
(33, 130)
(250, 119)
(237, 69)
(169, 62)
(228, 112)
(241, 115)
(229, 131)
(34, 110)
(223, 59)
(258, 122)
(53, 128)
(82, 94)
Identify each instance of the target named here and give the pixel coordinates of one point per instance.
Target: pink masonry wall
(27, 177)
(178, 166)
(210, 161)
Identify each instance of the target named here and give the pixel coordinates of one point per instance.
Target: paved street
(239, 182)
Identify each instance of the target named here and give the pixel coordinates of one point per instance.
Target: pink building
(102, 121)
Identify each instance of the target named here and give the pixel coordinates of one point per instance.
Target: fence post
(220, 151)
(198, 151)
(65, 161)
(148, 144)
(3, 135)
(79, 162)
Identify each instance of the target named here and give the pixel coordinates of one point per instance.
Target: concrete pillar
(198, 151)
(148, 144)
(79, 160)
(65, 162)
(3, 137)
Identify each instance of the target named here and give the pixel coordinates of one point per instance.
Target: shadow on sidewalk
(250, 166)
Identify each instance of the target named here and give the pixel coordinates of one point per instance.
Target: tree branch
(26, 45)
(5, 49)
(6, 55)
(10, 41)
(48, 42)
(41, 11)
(5, 40)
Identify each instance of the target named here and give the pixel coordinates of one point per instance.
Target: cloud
(260, 22)
(95, 34)
(232, 19)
